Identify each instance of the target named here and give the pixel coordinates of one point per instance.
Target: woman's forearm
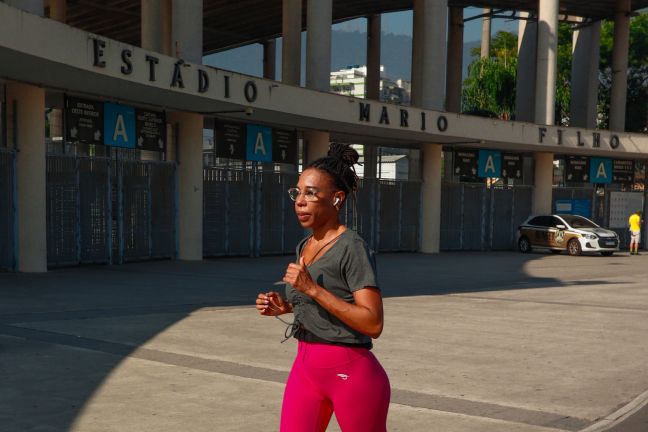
(366, 320)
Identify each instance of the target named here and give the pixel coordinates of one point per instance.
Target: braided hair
(339, 165)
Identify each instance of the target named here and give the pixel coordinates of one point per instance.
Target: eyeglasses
(310, 194)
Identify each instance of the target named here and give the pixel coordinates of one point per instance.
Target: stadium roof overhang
(228, 24)
(71, 61)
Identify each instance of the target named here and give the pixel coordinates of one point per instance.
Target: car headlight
(590, 236)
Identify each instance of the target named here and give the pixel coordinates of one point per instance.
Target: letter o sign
(614, 141)
(442, 123)
(250, 91)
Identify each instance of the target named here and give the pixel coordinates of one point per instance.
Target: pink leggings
(326, 378)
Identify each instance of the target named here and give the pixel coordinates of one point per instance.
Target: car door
(542, 231)
(529, 229)
(555, 235)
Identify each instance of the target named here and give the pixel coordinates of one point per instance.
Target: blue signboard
(490, 164)
(600, 170)
(259, 143)
(564, 206)
(582, 207)
(119, 126)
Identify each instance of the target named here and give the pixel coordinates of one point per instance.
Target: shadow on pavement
(48, 371)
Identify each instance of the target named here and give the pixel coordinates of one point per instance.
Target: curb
(619, 415)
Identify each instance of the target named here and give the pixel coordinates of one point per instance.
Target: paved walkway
(473, 342)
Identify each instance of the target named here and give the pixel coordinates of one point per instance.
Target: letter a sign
(601, 170)
(259, 143)
(119, 126)
(490, 164)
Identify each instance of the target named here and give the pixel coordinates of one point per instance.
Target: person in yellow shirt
(635, 232)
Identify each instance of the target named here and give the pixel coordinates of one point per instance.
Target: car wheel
(523, 245)
(574, 247)
(607, 253)
(556, 251)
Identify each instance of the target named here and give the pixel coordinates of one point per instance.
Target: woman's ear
(339, 199)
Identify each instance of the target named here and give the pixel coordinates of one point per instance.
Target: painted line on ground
(399, 396)
(620, 415)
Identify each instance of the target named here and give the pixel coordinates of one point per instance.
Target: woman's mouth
(303, 217)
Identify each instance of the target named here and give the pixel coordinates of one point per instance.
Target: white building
(352, 81)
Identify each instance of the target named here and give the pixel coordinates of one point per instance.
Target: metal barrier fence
(105, 211)
(476, 217)
(248, 213)
(7, 209)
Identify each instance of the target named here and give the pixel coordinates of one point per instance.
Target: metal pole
(109, 217)
(77, 230)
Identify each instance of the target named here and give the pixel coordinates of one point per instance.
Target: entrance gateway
(133, 79)
(105, 204)
(489, 194)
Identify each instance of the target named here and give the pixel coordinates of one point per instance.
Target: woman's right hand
(272, 304)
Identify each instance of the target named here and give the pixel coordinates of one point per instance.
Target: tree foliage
(489, 88)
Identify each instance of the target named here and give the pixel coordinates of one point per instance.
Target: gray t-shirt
(346, 267)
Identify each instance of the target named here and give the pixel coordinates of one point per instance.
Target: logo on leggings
(343, 376)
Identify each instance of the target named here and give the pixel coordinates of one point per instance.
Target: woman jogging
(333, 293)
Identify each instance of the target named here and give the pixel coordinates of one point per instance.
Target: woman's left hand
(297, 275)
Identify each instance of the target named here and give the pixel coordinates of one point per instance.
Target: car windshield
(578, 222)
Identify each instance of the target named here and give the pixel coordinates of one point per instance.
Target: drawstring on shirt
(291, 328)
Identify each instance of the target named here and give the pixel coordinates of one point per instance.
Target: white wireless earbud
(337, 201)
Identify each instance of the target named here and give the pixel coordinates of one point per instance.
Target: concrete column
(318, 67)
(156, 25)
(429, 53)
(373, 57)
(171, 141)
(585, 68)
(431, 198)
(448, 173)
(58, 10)
(370, 161)
(620, 65)
(547, 63)
(417, 53)
(486, 34)
(318, 44)
(455, 60)
(187, 32)
(55, 119)
(31, 215)
(291, 42)
(316, 144)
(543, 183)
(35, 7)
(190, 184)
(269, 59)
(526, 69)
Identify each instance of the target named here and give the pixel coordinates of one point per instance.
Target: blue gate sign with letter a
(259, 143)
(600, 170)
(490, 164)
(119, 126)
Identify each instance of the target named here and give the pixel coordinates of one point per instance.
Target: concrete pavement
(472, 342)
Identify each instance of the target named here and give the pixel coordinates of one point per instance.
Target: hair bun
(344, 153)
